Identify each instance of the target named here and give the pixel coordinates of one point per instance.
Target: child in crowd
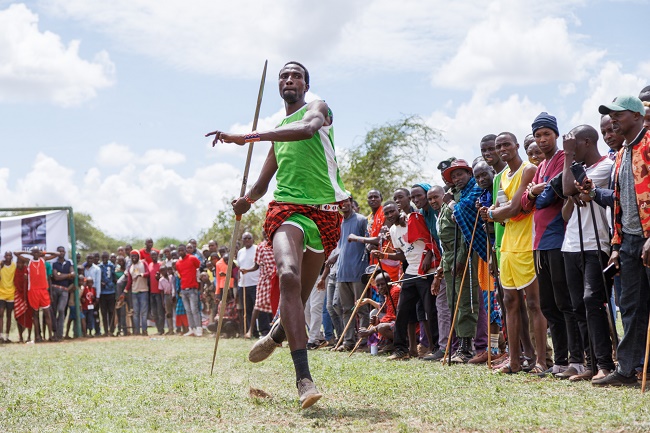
(88, 304)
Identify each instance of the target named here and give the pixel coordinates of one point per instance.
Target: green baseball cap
(624, 103)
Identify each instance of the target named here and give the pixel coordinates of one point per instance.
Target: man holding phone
(584, 272)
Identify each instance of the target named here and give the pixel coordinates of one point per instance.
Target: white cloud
(149, 200)
(515, 46)
(118, 155)
(610, 82)
(38, 66)
(114, 154)
(472, 120)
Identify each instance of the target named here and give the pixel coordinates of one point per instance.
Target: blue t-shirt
(352, 256)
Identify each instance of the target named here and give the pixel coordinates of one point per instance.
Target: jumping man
(302, 222)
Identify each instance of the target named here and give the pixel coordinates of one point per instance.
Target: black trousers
(556, 306)
(107, 310)
(589, 299)
(415, 290)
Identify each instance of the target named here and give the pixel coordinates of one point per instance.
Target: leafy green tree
(90, 238)
(390, 156)
(224, 224)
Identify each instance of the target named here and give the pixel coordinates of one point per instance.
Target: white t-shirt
(599, 173)
(412, 252)
(246, 260)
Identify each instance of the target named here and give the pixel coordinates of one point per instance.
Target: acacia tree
(390, 156)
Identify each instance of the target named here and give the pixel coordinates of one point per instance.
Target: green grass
(155, 384)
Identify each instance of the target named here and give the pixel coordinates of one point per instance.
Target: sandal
(506, 369)
(537, 369)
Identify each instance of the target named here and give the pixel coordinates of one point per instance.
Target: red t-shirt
(88, 297)
(153, 283)
(186, 268)
(391, 305)
(144, 255)
(221, 268)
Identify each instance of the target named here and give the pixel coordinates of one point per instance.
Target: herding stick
(244, 181)
(460, 291)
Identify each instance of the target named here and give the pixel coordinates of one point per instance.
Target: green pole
(73, 253)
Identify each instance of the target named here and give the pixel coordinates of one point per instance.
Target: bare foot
(248, 335)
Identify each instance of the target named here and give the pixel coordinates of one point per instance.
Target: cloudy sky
(103, 105)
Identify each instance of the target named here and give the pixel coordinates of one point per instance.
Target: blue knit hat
(545, 120)
(425, 186)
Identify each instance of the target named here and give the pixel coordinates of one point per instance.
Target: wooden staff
(356, 307)
(224, 293)
(489, 305)
(645, 363)
(460, 292)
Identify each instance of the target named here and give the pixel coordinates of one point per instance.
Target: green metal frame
(73, 253)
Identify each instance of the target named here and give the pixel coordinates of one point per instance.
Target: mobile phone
(579, 172)
(610, 271)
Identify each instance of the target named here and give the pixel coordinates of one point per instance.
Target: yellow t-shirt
(518, 234)
(7, 288)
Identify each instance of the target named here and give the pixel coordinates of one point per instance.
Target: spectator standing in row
(186, 266)
(62, 279)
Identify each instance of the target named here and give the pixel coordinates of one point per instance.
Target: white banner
(45, 230)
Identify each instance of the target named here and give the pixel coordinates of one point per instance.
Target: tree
(90, 238)
(224, 223)
(390, 156)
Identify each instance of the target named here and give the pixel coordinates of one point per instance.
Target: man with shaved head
(584, 257)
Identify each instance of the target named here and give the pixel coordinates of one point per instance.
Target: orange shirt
(222, 267)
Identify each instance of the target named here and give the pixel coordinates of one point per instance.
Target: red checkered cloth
(266, 261)
(328, 223)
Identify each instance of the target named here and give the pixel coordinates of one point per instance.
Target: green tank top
(307, 169)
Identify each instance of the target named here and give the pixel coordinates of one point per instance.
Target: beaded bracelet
(253, 136)
(490, 215)
(248, 199)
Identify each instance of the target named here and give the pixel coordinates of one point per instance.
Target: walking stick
(645, 362)
(357, 306)
(608, 293)
(489, 305)
(244, 181)
(453, 293)
(592, 351)
(460, 291)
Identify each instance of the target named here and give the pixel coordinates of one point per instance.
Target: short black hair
(509, 134)
(489, 137)
(406, 191)
(303, 68)
(390, 202)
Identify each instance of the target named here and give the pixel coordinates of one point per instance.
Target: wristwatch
(592, 194)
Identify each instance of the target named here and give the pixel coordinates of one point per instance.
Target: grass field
(164, 384)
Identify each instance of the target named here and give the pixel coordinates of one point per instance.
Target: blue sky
(104, 104)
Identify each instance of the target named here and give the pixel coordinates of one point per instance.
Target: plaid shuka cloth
(465, 213)
(266, 261)
(328, 223)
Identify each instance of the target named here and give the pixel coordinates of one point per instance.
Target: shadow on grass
(327, 413)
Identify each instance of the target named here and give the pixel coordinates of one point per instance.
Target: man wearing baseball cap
(631, 241)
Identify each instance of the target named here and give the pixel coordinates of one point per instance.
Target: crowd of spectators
(483, 267)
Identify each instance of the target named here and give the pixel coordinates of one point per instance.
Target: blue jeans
(158, 311)
(140, 310)
(59, 304)
(635, 290)
(190, 299)
(328, 326)
(334, 306)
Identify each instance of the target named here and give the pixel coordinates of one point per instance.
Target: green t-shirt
(307, 169)
(498, 228)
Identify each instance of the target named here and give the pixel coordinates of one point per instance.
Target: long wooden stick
(489, 304)
(357, 306)
(645, 363)
(460, 291)
(233, 239)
